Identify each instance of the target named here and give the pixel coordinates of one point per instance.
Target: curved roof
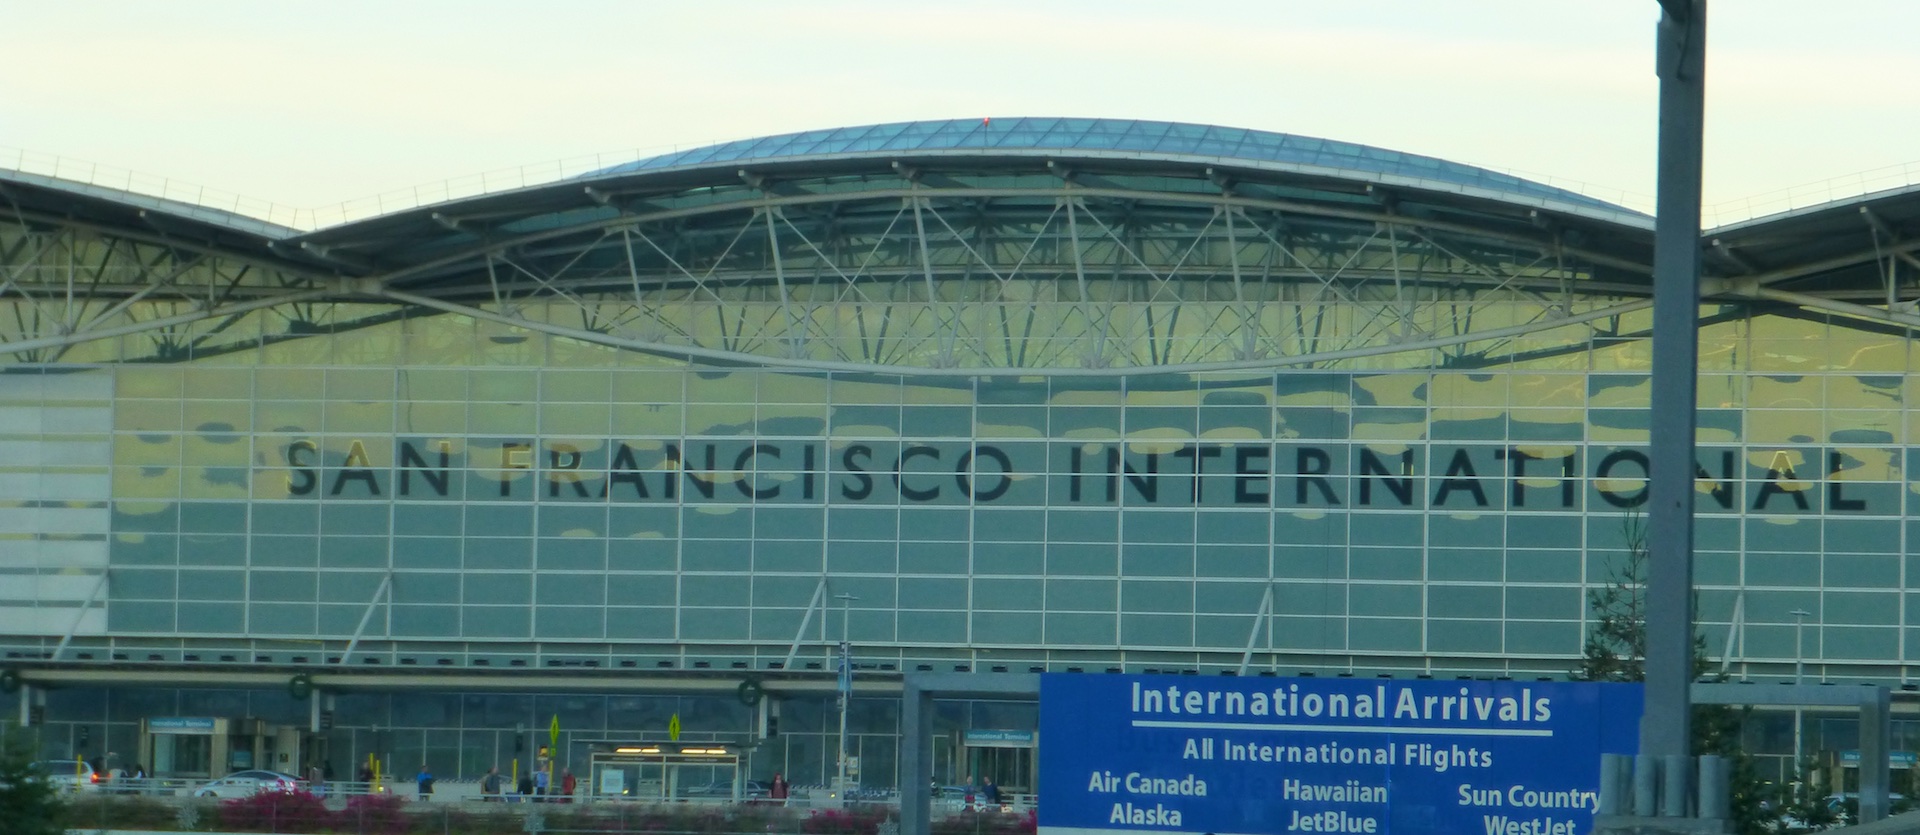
(1124, 136)
(139, 216)
(868, 214)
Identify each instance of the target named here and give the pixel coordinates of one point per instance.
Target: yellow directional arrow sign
(673, 728)
(553, 735)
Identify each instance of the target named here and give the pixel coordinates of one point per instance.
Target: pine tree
(1616, 644)
(29, 804)
(1615, 649)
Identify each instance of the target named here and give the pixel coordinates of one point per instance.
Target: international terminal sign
(1238, 756)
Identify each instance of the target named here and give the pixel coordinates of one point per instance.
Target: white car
(952, 800)
(1846, 806)
(249, 783)
(69, 775)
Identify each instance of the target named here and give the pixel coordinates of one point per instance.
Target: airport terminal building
(633, 452)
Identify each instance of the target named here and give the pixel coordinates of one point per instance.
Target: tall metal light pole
(1799, 644)
(846, 690)
(1799, 674)
(1665, 729)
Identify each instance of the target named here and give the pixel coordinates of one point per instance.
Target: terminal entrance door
(1004, 756)
(665, 771)
(184, 746)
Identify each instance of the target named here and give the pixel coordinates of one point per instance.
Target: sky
(311, 103)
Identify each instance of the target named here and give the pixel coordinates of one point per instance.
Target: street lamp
(1799, 643)
(1799, 673)
(846, 690)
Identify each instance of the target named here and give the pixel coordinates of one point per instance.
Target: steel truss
(67, 286)
(920, 273)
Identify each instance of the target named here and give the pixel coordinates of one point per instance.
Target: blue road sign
(1237, 756)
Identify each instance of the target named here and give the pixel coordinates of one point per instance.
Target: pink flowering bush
(276, 812)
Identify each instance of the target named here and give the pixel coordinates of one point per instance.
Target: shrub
(276, 812)
(497, 821)
(374, 814)
(857, 821)
(987, 823)
(107, 812)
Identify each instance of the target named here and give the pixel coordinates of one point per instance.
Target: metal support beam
(92, 597)
(1665, 728)
(1881, 229)
(1259, 363)
(796, 329)
(1893, 236)
(1261, 618)
(1872, 314)
(385, 590)
(945, 358)
(88, 335)
(1097, 356)
(334, 255)
(819, 600)
(1727, 251)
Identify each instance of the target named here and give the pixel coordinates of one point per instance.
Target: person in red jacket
(566, 786)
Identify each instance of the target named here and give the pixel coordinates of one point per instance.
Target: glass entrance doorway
(666, 771)
(1004, 756)
(185, 746)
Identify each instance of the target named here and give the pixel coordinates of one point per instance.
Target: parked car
(1846, 805)
(952, 799)
(70, 775)
(249, 783)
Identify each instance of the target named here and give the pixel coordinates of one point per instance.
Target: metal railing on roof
(1811, 194)
(525, 176)
(308, 219)
(147, 185)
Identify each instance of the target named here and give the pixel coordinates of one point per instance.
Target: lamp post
(846, 690)
(1799, 674)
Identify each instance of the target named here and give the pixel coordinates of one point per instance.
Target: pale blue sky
(313, 103)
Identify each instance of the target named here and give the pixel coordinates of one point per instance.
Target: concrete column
(1646, 785)
(916, 761)
(1876, 731)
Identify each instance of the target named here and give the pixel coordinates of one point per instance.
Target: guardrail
(359, 812)
(468, 792)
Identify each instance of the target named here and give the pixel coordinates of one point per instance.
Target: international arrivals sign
(1239, 756)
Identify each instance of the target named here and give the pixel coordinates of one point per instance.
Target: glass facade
(1420, 520)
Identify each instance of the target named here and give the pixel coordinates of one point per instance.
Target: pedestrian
(991, 792)
(567, 785)
(316, 781)
(424, 781)
(778, 789)
(490, 785)
(540, 779)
